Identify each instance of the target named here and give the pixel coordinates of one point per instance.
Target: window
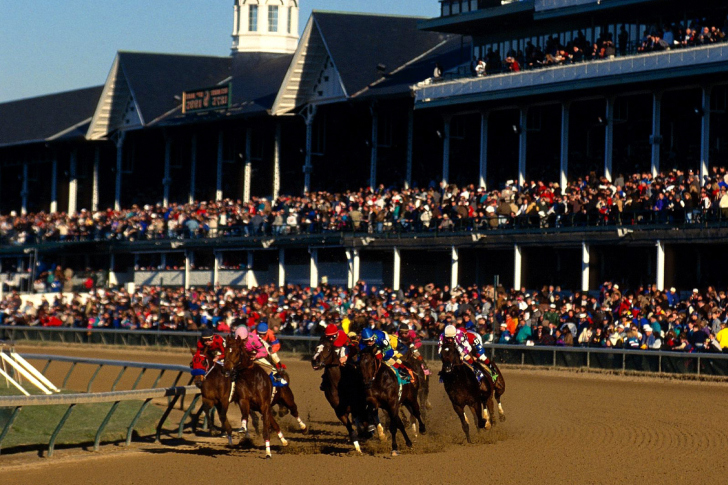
(272, 18)
(253, 18)
(290, 18)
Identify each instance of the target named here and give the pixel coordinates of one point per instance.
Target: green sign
(206, 99)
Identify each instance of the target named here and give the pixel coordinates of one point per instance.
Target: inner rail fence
(620, 360)
(174, 394)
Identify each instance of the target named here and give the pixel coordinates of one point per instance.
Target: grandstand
(602, 89)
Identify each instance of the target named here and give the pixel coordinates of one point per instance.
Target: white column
(410, 146)
(119, 161)
(660, 265)
(248, 164)
(24, 190)
(188, 268)
(250, 279)
(522, 146)
(220, 140)
(585, 261)
(517, 260)
(705, 136)
(54, 185)
(352, 259)
(193, 167)
(396, 278)
(277, 163)
(236, 19)
(609, 139)
(357, 266)
(483, 173)
(112, 273)
(216, 269)
(95, 180)
(564, 170)
(446, 149)
(166, 181)
(72, 182)
(374, 147)
(454, 267)
(314, 277)
(656, 138)
(308, 167)
(281, 267)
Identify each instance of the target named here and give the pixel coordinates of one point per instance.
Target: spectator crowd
(641, 318)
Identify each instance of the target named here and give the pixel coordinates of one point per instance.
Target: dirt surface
(561, 428)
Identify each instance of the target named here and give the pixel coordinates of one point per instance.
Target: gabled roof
(43, 118)
(341, 55)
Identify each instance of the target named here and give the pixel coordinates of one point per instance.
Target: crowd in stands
(673, 197)
(642, 318)
(658, 38)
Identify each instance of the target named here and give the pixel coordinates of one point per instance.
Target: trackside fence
(174, 394)
(648, 361)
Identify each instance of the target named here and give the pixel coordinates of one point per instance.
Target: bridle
(329, 360)
(448, 349)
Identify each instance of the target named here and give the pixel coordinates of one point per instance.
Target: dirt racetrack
(562, 427)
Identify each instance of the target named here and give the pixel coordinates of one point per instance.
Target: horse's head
(325, 354)
(449, 355)
(234, 350)
(368, 366)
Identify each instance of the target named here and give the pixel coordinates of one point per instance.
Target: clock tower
(265, 26)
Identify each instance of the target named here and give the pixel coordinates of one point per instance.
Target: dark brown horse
(342, 386)
(215, 390)
(422, 372)
(383, 391)
(253, 389)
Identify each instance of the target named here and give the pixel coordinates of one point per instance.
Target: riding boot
(491, 368)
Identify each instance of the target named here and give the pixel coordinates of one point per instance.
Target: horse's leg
(414, 408)
(501, 413)
(286, 395)
(276, 428)
(463, 420)
(346, 421)
(256, 422)
(393, 421)
(222, 408)
(490, 411)
(400, 424)
(477, 410)
(244, 406)
(266, 412)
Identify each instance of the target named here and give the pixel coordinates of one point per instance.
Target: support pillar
(564, 170)
(72, 183)
(374, 147)
(277, 163)
(248, 174)
(396, 278)
(95, 180)
(188, 268)
(585, 261)
(522, 147)
(193, 167)
(410, 147)
(281, 267)
(352, 259)
(308, 167)
(220, 141)
(24, 190)
(54, 185)
(167, 180)
(216, 269)
(705, 136)
(517, 262)
(483, 173)
(314, 276)
(454, 267)
(660, 265)
(250, 279)
(446, 149)
(656, 138)
(609, 140)
(119, 162)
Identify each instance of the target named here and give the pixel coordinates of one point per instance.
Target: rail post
(68, 376)
(133, 423)
(118, 378)
(93, 378)
(100, 431)
(187, 415)
(164, 417)
(52, 442)
(9, 424)
(139, 378)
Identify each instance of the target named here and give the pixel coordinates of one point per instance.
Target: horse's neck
(333, 373)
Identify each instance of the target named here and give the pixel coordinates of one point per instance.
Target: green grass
(35, 424)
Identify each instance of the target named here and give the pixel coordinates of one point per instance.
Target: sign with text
(205, 99)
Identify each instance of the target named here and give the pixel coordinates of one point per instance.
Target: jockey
(478, 352)
(408, 341)
(383, 350)
(271, 343)
(209, 345)
(259, 352)
(462, 342)
(340, 341)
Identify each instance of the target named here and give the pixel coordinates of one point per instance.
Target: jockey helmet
(404, 328)
(262, 328)
(367, 334)
(450, 331)
(331, 330)
(242, 332)
(207, 334)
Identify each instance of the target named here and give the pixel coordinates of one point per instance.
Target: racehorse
(253, 389)
(342, 387)
(422, 372)
(215, 390)
(384, 391)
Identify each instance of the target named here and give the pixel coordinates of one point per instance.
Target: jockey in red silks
(259, 354)
(341, 343)
(209, 346)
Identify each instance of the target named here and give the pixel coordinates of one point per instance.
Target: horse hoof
(428, 405)
(268, 457)
(423, 430)
(395, 453)
(487, 426)
(502, 417)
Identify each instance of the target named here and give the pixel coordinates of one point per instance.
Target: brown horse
(422, 372)
(215, 390)
(384, 391)
(342, 386)
(253, 389)
(463, 389)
